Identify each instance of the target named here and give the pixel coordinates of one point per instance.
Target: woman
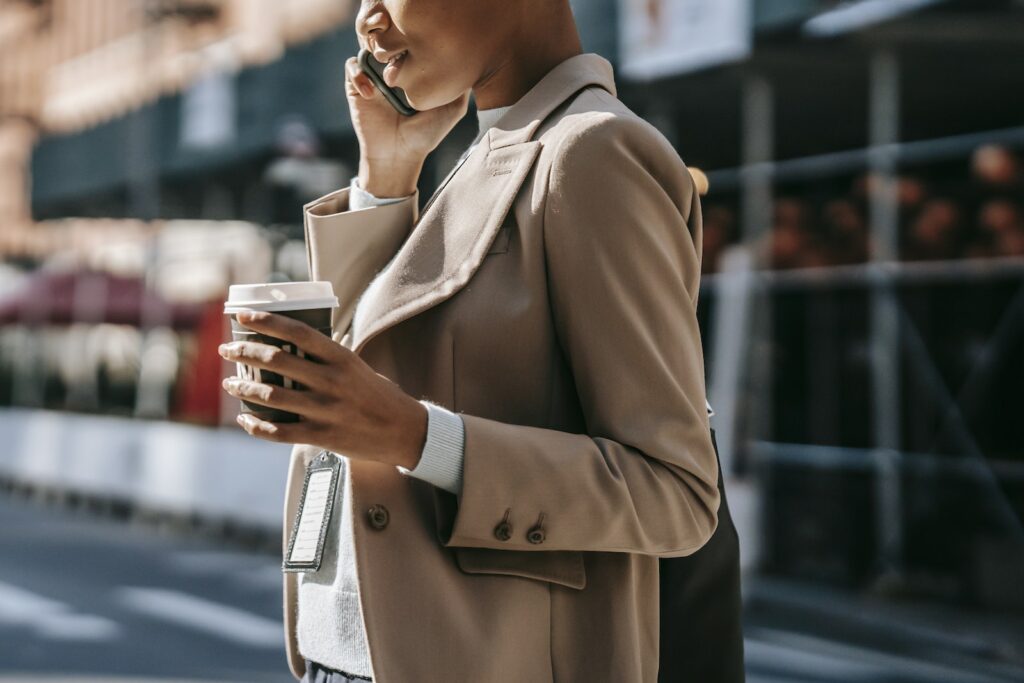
(515, 378)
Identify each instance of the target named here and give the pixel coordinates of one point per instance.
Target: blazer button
(536, 532)
(503, 531)
(378, 516)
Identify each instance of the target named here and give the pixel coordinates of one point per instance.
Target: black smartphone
(375, 71)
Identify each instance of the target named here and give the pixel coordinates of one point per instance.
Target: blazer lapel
(448, 244)
(455, 230)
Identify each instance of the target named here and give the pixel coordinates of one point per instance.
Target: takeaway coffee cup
(310, 302)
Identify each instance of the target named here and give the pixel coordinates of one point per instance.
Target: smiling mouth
(393, 65)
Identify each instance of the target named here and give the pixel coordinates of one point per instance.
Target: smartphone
(375, 71)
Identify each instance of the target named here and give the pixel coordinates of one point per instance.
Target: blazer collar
(455, 230)
(521, 121)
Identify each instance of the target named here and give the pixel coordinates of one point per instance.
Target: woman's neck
(544, 46)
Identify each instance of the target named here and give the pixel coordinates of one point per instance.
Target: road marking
(223, 621)
(245, 569)
(50, 618)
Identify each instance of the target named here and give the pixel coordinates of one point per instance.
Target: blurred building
(70, 69)
(68, 66)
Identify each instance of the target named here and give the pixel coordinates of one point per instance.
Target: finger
(272, 395)
(299, 333)
(277, 359)
(351, 88)
(351, 69)
(282, 432)
(356, 82)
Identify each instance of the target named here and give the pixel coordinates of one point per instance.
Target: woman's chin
(413, 101)
(423, 100)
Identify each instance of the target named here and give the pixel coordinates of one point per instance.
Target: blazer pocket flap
(564, 567)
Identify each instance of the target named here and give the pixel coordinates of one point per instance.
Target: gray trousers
(318, 673)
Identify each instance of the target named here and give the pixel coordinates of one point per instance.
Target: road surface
(85, 598)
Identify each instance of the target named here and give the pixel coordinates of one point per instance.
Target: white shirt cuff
(358, 198)
(443, 452)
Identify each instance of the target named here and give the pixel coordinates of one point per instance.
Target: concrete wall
(216, 474)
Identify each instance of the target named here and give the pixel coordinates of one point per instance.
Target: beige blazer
(547, 294)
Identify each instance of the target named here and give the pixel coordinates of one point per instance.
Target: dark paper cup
(309, 302)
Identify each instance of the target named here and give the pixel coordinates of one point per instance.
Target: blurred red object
(198, 394)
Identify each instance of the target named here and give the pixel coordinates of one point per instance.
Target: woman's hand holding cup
(297, 385)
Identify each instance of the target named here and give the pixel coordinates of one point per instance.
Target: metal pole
(733, 348)
(742, 328)
(885, 342)
(143, 174)
(758, 207)
(144, 193)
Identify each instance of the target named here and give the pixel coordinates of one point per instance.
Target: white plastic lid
(280, 296)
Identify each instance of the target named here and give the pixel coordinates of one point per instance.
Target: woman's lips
(391, 70)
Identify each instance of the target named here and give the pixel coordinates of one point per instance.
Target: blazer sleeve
(348, 247)
(622, 242)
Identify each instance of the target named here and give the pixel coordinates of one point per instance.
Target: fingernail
(251, 316)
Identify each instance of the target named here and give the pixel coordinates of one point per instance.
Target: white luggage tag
(306, 546)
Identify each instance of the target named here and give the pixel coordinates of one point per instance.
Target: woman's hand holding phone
(393, 147)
